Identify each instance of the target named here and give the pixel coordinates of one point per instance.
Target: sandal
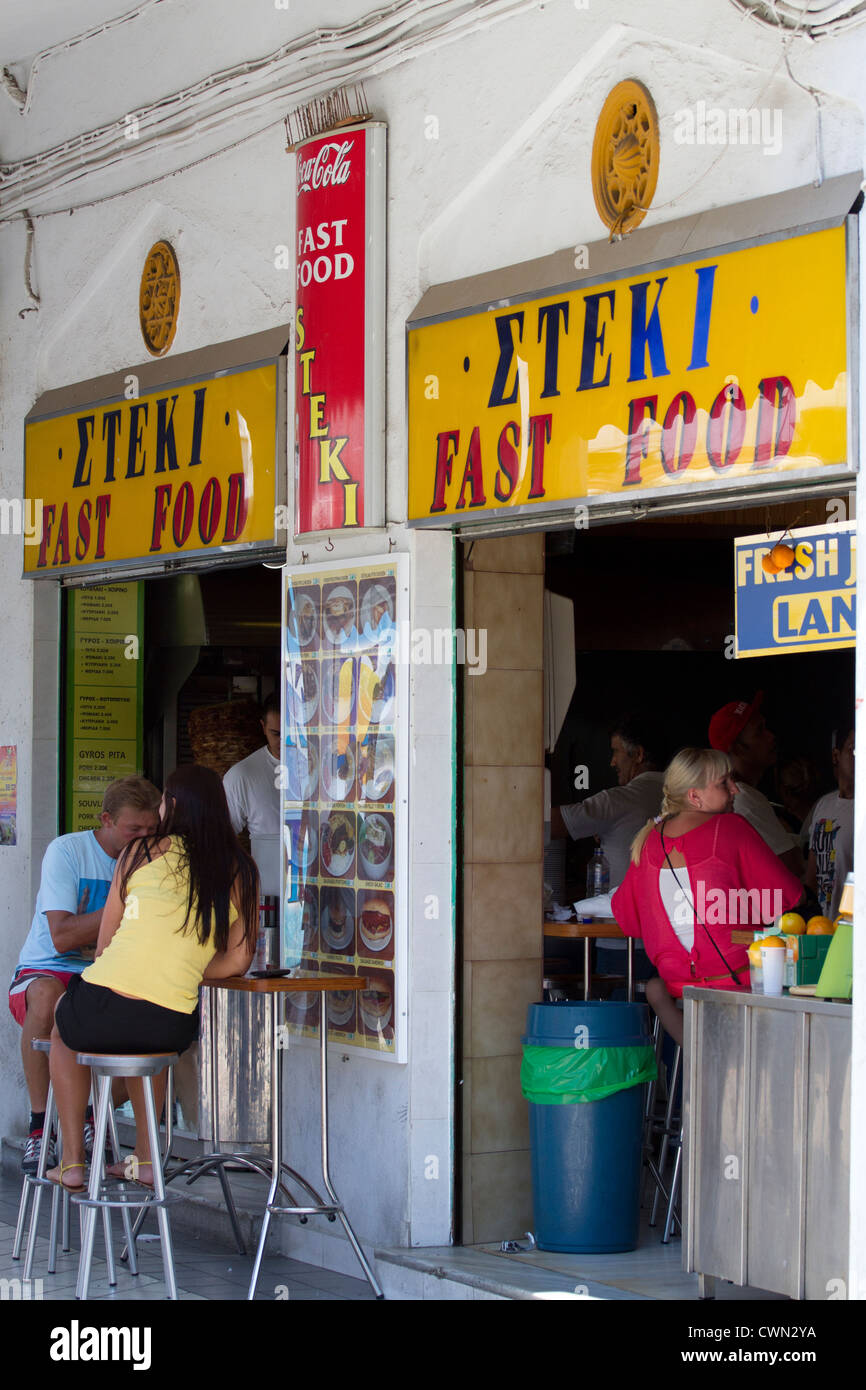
(56, 1175)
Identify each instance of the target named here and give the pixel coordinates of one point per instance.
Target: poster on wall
(340, 330)
(8, 793)
(104, 662)
(345, 798)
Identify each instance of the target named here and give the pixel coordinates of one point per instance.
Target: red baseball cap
(729, 722)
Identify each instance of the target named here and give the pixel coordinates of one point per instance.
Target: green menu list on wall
(104, 666)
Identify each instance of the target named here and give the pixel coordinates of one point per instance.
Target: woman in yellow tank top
(183, 907)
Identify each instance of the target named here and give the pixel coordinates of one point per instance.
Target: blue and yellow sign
(729, 367)
(809, 607)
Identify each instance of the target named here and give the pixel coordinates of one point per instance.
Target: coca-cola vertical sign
(340, 330)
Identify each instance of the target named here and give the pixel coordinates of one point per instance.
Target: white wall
(500, 174)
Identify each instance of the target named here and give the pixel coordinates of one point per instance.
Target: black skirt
(91, 1018)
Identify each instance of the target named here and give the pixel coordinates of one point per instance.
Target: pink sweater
(724, 857)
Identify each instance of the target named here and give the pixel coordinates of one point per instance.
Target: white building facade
(166, 124)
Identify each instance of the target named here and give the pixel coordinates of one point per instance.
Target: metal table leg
(335, 1207)
(362, 1259)
(276, 1137)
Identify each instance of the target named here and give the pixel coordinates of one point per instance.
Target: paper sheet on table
(599, 906)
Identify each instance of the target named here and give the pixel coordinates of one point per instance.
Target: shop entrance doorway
(653, 631)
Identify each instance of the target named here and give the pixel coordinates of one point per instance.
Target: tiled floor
(204, 1271)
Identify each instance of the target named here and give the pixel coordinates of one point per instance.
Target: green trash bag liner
(569, 1075)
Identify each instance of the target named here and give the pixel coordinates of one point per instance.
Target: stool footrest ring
(118, 1197)
(305, 1211)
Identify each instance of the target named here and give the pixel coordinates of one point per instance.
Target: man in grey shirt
(616, 814)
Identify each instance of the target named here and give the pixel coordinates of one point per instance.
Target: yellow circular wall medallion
(625, 157)
(159, 298)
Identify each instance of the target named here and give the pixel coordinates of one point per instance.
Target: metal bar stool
(35, 1183)
(33, 1186)
(668, 1129)
(166, 1154)
(100, 1195)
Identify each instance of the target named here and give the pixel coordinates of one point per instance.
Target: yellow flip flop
(64, 1168)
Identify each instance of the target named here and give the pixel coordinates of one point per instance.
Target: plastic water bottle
(597, 875)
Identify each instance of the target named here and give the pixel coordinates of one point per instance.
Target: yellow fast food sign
(182, 470)
(680, 376)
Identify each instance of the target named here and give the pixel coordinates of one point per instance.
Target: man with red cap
(740, 730)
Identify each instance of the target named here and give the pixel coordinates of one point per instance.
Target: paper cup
(773, 968)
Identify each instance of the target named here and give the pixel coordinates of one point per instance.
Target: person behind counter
(252, 789)
(182, 907)
(696, 874)
(740, 730)
(831, 833)
(617, 813)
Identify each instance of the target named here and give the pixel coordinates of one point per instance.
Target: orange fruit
(820, 926)
(782, 556)
(792, 924)
(772, 941)
(754, 953)
(768, 564)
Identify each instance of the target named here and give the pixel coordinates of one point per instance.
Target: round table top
(289, 984)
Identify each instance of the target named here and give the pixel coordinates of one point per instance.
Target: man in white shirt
(252, 789)
(831, 834)
(740, 730)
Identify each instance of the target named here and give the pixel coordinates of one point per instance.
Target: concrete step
(460, 1273)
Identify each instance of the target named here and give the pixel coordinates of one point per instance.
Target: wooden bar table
(587, 932)
(276, 987)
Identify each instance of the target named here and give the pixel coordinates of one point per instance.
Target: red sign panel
(339, 330)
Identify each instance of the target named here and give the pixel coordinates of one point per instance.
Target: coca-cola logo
(330, 166)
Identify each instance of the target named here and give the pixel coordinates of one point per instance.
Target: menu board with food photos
(344, 798)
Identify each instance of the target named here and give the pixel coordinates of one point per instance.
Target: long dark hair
(212, 860)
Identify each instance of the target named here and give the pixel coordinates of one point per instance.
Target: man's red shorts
(18, 991)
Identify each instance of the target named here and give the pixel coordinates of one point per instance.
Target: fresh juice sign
(733, 366)
(810, 606)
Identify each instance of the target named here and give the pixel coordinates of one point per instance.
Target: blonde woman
(697, 873)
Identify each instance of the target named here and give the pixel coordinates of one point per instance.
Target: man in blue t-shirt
(76, 874)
